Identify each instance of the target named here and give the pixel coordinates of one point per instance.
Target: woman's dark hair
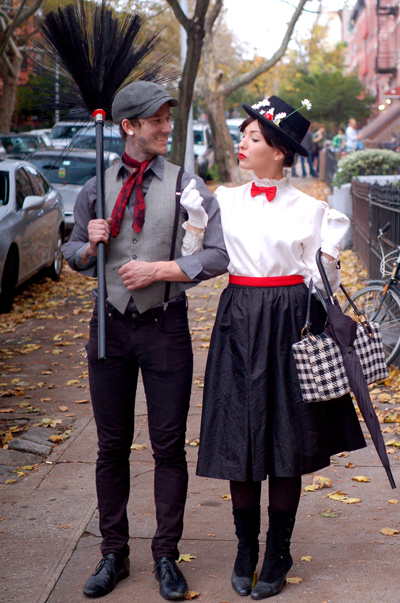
(273, 139)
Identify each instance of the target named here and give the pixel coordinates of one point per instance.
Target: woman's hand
(191, 200)
(333, 228)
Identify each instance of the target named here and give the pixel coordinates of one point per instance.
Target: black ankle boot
(247, 528)
(277, 560)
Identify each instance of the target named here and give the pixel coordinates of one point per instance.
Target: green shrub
(370, 162)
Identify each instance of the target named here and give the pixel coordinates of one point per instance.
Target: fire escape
(386, 58)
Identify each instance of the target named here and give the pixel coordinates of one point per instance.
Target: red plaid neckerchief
(124, 194)
(270, 191)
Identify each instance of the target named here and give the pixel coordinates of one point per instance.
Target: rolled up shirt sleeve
(84, 211)
(213, 259)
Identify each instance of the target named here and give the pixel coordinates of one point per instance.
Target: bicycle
(379, 300)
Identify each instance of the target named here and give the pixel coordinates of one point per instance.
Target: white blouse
(274, 238)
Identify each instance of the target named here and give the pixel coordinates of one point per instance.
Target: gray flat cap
(139, 99)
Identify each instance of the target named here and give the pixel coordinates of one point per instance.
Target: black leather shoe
(173, 586)
(264, 590)
(109, 571)
(241, 585)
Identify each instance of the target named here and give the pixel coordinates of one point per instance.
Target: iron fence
(331, 159)
(373, 207)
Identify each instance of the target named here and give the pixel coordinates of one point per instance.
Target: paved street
(49, 538)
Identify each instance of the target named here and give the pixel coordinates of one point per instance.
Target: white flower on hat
(307, 104)
(263, 103)
(278, 118)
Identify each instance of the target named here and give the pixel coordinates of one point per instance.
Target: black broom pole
(99, 117)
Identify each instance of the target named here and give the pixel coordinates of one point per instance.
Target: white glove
(333, 228)
(191, 201)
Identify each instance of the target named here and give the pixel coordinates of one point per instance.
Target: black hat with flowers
(283, 119)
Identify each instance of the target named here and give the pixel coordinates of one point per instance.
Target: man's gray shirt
(211, 261)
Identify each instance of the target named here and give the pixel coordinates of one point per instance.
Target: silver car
(68, 171)
(32, 227)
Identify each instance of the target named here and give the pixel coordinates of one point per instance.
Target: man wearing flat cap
(146, 323)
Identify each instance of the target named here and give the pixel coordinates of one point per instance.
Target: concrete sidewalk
(50, 540)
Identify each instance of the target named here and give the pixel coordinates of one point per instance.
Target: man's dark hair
(273, 139)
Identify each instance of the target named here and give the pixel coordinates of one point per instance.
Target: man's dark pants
(158, 342)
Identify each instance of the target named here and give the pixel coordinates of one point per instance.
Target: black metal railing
(331, 160)
(373, 207)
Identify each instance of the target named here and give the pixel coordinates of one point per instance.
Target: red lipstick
(241, 156)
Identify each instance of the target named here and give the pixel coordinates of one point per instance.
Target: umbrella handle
(322, 272)
(99, 117)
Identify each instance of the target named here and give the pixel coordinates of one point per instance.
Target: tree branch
(179, 14)
(248, 77)
(212, 15)
(28, 12)
(200, 10)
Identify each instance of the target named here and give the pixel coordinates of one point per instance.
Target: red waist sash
(268, 281)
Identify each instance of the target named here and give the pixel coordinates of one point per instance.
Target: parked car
(21, 146)
(32, 227)
(44, 132)
(64, 131)
(112, 141)
(68, 171)
(233, 126)
(203, 150)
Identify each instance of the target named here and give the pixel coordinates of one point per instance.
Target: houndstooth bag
(319, 361)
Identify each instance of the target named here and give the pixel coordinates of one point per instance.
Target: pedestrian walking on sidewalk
(146, 324)
(255, 424)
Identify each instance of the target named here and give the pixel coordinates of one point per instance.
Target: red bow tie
(270, 191)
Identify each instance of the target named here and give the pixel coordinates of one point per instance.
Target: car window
(19, 144)
(23, 187)
(39, 184)
(111, 144)
(4, 188)
(67, 170)
(64, 131)
(198, 137)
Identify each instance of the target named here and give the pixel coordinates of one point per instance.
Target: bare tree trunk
(195, 35)
(186, 87)
(216, 91)
(7, 99)
(225, 155)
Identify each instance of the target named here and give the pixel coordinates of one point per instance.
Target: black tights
(284, 494)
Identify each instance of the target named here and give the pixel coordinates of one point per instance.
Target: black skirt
(254, 420)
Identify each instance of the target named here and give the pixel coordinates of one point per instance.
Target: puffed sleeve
(311, 247)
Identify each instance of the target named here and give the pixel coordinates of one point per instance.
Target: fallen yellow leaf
(386, 531)
(306, 558)
(81, 401)
(7, 410)
(73, 382)
(138, 446)
(191, 594)
(187, 557)
(294, 580)
(63, 408)
(393, 501)
(226, 497)
(311, 488)
(11, 481)
(351, 501)
(360, 478)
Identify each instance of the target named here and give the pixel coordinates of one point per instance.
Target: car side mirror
(33, 202)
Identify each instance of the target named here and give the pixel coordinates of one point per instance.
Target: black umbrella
(343, 330)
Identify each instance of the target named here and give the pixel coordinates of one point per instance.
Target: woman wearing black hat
(255, 423)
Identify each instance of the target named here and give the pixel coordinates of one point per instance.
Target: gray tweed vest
(151, 244)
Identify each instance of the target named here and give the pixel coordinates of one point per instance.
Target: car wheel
(54, 271)
(9, 281)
